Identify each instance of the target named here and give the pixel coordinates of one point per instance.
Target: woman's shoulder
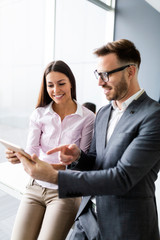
(87, 113)
(40, 111)
(86, 110)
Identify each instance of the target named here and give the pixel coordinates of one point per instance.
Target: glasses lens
(96, 74)
(104, 76)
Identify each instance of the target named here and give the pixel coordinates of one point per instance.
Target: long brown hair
(55, 66)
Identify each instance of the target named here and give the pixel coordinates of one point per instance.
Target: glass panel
(79, 30)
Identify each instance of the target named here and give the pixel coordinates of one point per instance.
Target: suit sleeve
(139, 159)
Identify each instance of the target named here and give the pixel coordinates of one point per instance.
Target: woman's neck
(63, 110)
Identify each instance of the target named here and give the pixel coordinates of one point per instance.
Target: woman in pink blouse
(57, 119)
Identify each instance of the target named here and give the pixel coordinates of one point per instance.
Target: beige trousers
(43, 215)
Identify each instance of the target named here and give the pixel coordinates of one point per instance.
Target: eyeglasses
(105, 75)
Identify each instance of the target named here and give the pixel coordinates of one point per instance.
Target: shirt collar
(49, 108)
(79, 110)
(128, 101)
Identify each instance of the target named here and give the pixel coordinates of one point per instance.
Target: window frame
(102, 4)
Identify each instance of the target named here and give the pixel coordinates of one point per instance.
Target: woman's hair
(55, 66)
(123, 48)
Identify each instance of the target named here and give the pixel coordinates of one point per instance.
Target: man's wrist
(56, 177)
(53, 177)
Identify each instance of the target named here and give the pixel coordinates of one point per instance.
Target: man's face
(118, 85)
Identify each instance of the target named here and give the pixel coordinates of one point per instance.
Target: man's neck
(127, 101)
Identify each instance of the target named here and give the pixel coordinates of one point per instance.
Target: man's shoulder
(149, 102)
(103, 109)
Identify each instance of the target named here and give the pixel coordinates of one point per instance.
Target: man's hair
(123, 48)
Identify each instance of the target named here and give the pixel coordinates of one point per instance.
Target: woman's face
(58, 87)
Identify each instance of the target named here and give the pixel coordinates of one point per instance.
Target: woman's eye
(61, 84)
(50, 86)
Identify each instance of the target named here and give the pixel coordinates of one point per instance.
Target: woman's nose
(56, 89)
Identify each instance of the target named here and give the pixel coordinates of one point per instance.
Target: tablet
(14, 148)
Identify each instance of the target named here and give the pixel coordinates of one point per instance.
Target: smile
(59, 96)
(107, 90)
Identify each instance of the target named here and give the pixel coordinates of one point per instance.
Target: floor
(8, 209)
(8, 203)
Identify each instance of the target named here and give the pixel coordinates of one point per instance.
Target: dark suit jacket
(127, 165)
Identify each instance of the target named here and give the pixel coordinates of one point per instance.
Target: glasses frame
(105, 75)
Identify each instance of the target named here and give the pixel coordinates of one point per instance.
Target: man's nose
(100, 81)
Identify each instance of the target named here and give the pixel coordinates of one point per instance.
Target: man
(117, 177)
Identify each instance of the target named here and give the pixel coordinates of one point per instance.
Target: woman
(57, 119)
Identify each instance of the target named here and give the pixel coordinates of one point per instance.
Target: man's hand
(38, 169)
(68, 153)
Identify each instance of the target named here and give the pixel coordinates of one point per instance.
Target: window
(79, 30)
(68, 30)
(106, 4)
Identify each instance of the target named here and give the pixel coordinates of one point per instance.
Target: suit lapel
(102, 129)
(127, 116)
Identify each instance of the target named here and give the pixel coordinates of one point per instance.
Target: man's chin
(109, 98)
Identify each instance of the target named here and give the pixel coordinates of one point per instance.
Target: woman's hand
(11, 156)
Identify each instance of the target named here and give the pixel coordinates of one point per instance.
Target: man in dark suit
(117, 177)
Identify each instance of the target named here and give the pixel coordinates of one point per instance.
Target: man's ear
(131, 71)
